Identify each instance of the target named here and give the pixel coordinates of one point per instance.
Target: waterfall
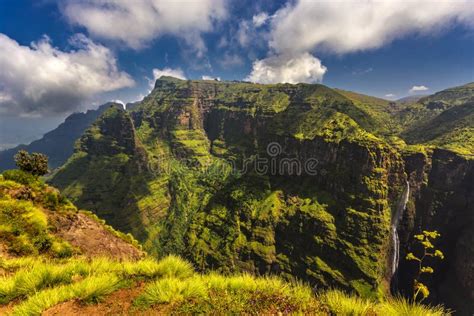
(401, 206)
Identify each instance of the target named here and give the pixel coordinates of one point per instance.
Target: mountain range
(299, 180)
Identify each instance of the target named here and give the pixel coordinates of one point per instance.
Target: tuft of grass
(13, 264)
(91, 289)
(341, 303)
(43, 300)
(173, 266)
(169, 267)
(215, 293)
(400, 306)
(172, 290)
(37, 277)
(40, 285)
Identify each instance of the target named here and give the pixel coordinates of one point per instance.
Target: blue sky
(79, 54)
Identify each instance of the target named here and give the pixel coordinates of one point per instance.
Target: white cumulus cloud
(346, 26)
(136, 22)
(42, 79)
(415, 89)
(287, 69)
(351, 25)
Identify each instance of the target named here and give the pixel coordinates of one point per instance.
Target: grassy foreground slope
(51, 269)
(34, 286)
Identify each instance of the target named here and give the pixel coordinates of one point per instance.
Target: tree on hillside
(34, 163)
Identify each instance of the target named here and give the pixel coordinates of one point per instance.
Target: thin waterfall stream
(401, 206)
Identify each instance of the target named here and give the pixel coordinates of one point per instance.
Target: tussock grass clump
(215, 293)
(13, 264)
(39, 283)
(91, 289)
(172, 290)
(400, 306)
(23, 223)
(171, 266)
(37, 277)
(341, 303)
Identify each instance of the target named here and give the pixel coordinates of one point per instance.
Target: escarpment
(299, 180)
(443, 200)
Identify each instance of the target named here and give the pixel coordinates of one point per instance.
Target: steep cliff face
(105, 165)
(280, 178)
(315, 206)
(443, 200)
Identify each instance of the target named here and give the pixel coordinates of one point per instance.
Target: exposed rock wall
(443, 200)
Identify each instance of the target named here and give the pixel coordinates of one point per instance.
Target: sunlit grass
(341, 303)
(400, 306)
(172, 284)
(91, 289)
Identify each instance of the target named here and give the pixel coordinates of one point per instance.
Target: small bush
(24, 227)
(19, 176)
(62, 249)
(35, 163)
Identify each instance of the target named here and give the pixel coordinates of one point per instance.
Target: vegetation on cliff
(175, 204)
(161, 171)
(48, 275)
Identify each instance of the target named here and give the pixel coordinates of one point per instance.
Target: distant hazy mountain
(58, 144)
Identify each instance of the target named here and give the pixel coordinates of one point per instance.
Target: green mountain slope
(444, 119)
(298, 180)
(56, 260)
(188, 200)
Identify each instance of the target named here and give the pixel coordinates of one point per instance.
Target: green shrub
(24, 227)
(62, 249)
(35, 163)
(20, 177)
